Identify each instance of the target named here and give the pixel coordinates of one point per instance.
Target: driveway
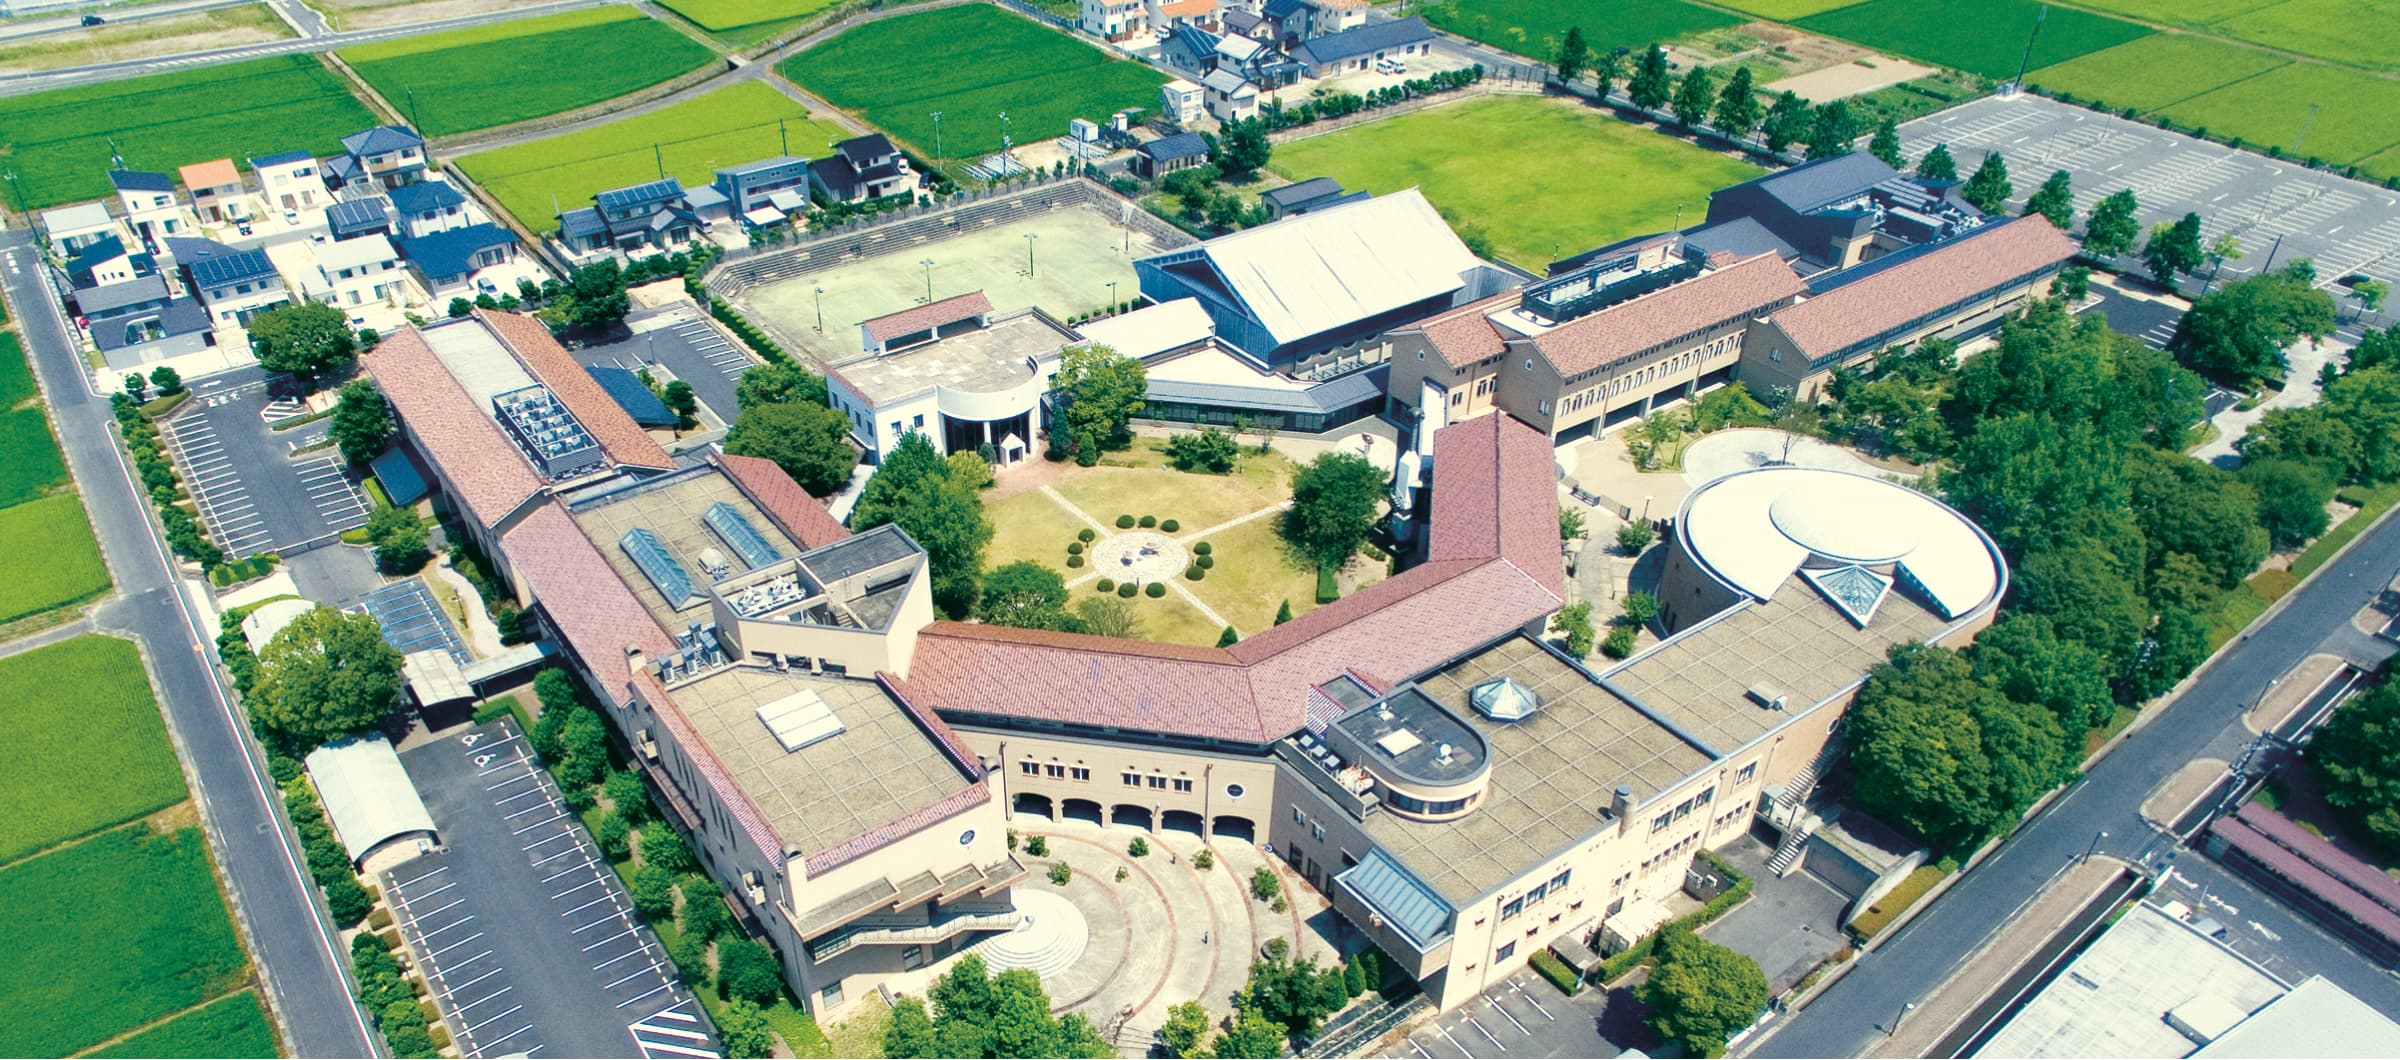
(253, 493)
(1525, 1016)
(1788, 924)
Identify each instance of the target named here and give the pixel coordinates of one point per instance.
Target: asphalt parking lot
(686, 344)
(2346, 225)
(1526, 1016)
(522, 929)
(252, 494)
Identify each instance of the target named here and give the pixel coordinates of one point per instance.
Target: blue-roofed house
(651, 217)
(346, 176)
(291, 181)
(354, 218)
(1353, 50)
(430, 206)
(1167, 154)
(234, 284)
(630, 394)
(151, 207)
(446, 261)
(391, 154)
(107, 261)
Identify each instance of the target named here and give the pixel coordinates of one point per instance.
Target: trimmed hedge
(1107, 585)
(1074, 561)
(1149, 521)
(1195, 572)
(1206, 561)
(1124, 522)
(1622, 963)
(1086, 535)
(1127, 590)
(1556, 971)
(1328, 590)
(1074, 548)
(746, 331)
(1154, 590)
(1202, 549)
(1169, 525)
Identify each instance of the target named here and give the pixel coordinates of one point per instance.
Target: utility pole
(661, 158)
(2303, 137)
(2097, 838)
(413, 118)
(1112, 298)
(928, 263)
(783, 132)
(1029, 238)
(2038, 19)
(939, 159)
(820, 310)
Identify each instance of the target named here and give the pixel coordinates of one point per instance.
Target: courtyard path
(1231, 523)
(1189, 597)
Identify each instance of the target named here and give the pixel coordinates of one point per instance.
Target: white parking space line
(461, 1009)
(652, 992)
(1529, 999)
(571, 890)
(612, 938)
(488, 1022)
(1478, 1025)
(1454, 1042)
(428, 914)
(554, 857)
(471, 982)
(413, 880)
(487, 1046)
(1494, 1004)
(621, 956)
(435, 891)
(538, 824)
(436, 953)
(564, 871)
(587, 905)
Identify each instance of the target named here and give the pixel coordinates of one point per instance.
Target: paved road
(2202, 722)
(289, 934)
(35, 27)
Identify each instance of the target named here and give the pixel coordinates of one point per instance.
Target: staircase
(1790, 811)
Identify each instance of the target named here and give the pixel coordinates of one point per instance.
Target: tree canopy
(596, 295)
(2055, 200)
(1938, 164)
(2111, 227)
(1026, 595)
(1693, 97)
(2239, 332)
(1832, 130)
(1243, 148)
(304, 339)
(810, 442)
(325, 675)
(778, 382)
(2356, 759)
(1651, 85)
(1102, 390)
(1943, 753)
(1885, 144)
(1335, 501)
(1574, 55)
(914, 489)
(362, 424)
(1702, 993)
(977, 1014)
(2173, 250)
(1786, 122)
(1989, 188)
(1737, 105)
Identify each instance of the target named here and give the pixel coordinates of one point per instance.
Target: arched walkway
(1229, 826)
(1037, 805)
(1080, 810)
(1182, 821)
(1126, 813)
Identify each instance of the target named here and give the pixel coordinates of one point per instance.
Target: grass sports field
(1596, 180)
(89, 700)
(230, 1026)
(746, 21)
(2155, 71)
(58, 142)
(1076, 253)
(52, 559)
(110, 934)
(1979, 36)
(971, 63)
(506, 72)
(732, 125)
(1534, 28)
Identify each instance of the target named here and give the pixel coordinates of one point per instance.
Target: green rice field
(2344, 31)
(507, 72)
(57, 142)
(1596, 180)
(2155, 71)
(231, 1026)
(1534, 28)
(34, 464)
(747, 21)
(16, 374)
(52, 559)
(88, 701)
(739, 123)
(1984, 37)
(970, 63)
(2358, 115)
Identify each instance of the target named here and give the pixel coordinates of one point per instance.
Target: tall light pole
(2097, 839)
(1112, 298)
(1005, 144)
(2038, 19)
(928, 263)
(1029, 238)
(820, 310)
(938, 158)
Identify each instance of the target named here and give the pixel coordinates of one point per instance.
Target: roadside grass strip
(105, 760)
(231, 1026)
(30, 462)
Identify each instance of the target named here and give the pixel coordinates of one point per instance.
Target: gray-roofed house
(353, 218)
(643, 217)
(1357, 49)
(141, 321)
(430, 206)
(446, 261)
(1229, 96)
(862, 168)
(71, 228)
(234, 284)
(106, 261)
(291, 181)
(747, 186)
(1169, 153)
(1315, 193)
(391, 154)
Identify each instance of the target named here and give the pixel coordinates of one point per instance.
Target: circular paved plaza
(1139, 556)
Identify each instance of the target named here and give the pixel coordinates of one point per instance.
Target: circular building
(1854, 538)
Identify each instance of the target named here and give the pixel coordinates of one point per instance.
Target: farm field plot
(109, 934)
(52, 559)
(1534, 28)
(484, 76)
(224, 27)
(2358, 115)
(1786, 10)
(33, 463)
(739, 123)
(2155, 71)
(1597, 179)
(1979, 36)
(2344, 31)
(2194, 14)
(972, 63)
(89, 701)
(351, 15)
(230, 1026)
(746, 21)
(16, 376)
(58, 141)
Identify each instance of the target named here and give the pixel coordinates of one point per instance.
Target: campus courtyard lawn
(1253, 577)
(1534, 28)
(58, 141)
(2358, 115)
(1170, 619)
(231, 1026)
(739, 123)
(1979, 36)
(1593, 180)
(745, 22)
(1196, 502)
(87, 701)
(109, 934)
(505, 72)
(2155, 71)
(52, 559)
(971, 63)
(1031, 526)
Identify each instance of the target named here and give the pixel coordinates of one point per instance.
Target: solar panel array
(738, 535)
(665, 572)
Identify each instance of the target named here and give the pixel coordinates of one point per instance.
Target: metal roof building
(368, 797)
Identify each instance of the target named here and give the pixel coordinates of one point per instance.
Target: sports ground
(1076, 253)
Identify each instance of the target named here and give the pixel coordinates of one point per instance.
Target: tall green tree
(746, 1033)
(1694, 96)
(1885, 144)
(2112, 226)
(1026, 595)
(2240, 332)
(1651, 85)
(305, 339)
(1832, 130)
(2176, 645)
(1701, 993)
(362, 424)
(1943, 753)
(914, 489)
(1938, 164)
(2091, 596)
(1186, 1029)
(746, 970)
(1335, 501)
(1787, 122)
(1243, 149)
(1101, 391)
(2024, 658)
(597, 299)
(776, 383)
(325, 675)
(1021, 1025)
(1251, 1037)
(2173, 249)
(683, 403)
(2356, 759)
(1738, 112)
(1574, 55)
(1989, 188)
(2291, 499)
(1607, 69)
(809, 442)
(910, 1032)
(2055, 200)
(398, 535)
(2187, 506)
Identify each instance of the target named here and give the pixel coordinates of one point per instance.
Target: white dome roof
(1853, 520)
(1752, 529)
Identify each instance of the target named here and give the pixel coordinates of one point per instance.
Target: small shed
(368, 798)
(1632, 924)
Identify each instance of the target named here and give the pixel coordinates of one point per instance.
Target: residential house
(1167, 154)
(235, 285)
(360, 272)
(641, 218)
(72, 228)
(1293, 21)
(392, 155)
(290, 181)
(1315, 193)
(346, 177)
(1360, 48)
(429, 206)
(150, 205)
(1166, 14)
(353, 218)
(446, 261)
(1182, 102)
(107, 261)
(217, 192)
(862, 168)
(1230, 96)
(141, 321)
(749, 186)
(1243, 22)
(1114, 20)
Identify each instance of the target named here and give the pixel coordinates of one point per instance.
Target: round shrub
(1194, 572)
(1086, 534)
(1074, 548)
(1206, 561)
(1074, 561)
(1124, 522)
(1155, 589)
(1149, 521)
(1169, 525)
(1200, 549)
(1107, 585)
(1127, 590)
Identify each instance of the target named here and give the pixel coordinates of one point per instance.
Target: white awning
(368, 797)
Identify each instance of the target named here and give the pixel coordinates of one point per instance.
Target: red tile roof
(625, 442)
(1494, 571)
(930, 315)
(1863, 309)
(1464, 336)
(483, 467)
(769, 487)
(594, 610)
(1744, 289)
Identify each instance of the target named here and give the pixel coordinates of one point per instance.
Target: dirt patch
(182, 815)
(349, 17)
(2175, 796)
(1804, 48)
(1852, 77)
(2292, 689)
(145, 39)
